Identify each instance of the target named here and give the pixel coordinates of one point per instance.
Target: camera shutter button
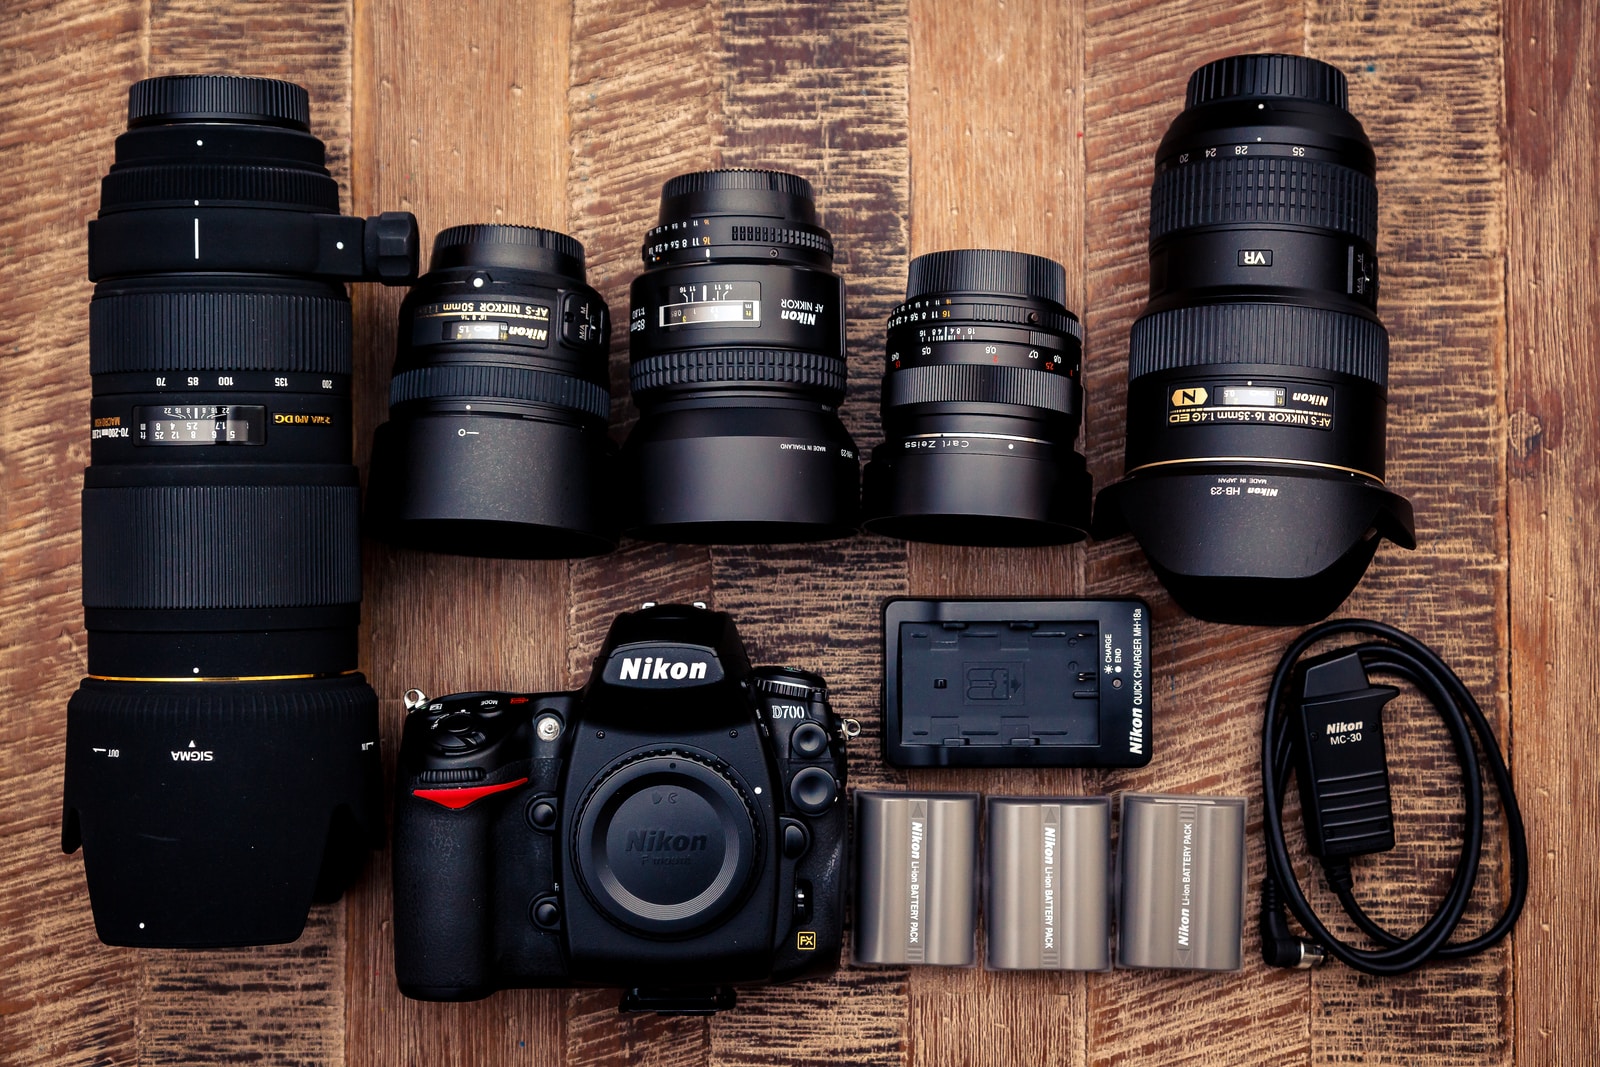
(813, 790)
(808, 741)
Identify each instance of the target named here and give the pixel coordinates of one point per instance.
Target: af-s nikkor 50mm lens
(736, 336)
(1257, 375)
(982, 402)
(496, 442)
(222, 756)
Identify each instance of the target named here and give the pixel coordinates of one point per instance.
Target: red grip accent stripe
(461, 797)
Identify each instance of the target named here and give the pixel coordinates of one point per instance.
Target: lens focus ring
(237, 331)
(1264, 191)
(969, 383)
(501, 383)
(704, 366)
(1289, 335)
(159, 546)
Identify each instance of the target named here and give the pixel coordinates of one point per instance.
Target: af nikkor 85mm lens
(982, 401)
(1258, 373)
(222, 763)
(736, 336)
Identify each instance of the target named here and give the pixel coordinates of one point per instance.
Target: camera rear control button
(542, 813)
(813, 790)
(795, 839)
(808, 741)
(546, 913)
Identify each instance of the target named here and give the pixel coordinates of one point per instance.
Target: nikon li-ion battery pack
(1016, 683)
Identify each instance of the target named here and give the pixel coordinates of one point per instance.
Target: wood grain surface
(923, 124)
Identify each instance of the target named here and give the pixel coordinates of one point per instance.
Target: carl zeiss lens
(981, 405)
(1257, 375)
(222, 762)
(496, 444)
(738, 368)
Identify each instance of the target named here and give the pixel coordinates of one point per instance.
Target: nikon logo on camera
(664, 841)
(662, 667)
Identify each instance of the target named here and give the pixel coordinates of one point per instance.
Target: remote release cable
(1327, 728)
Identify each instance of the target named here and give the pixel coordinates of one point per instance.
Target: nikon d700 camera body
(676, 827)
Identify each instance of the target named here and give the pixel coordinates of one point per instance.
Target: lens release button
(813, 790)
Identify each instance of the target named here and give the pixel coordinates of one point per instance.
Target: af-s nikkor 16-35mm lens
(222, 757)
(982, 402)
(736, 336)
(1258, 373)
(496, 442)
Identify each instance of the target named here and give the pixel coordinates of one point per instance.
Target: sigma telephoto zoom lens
(222, 762)
(736, 338)
(1257, 375)
(982, 401)
(496, 443)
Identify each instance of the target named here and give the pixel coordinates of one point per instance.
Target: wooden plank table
(1027, 124)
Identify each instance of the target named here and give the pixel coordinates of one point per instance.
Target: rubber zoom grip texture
(227, 331)
(968, 383)
(1246, 191)
(705, 366)
(501, 383)
(232, 546)
(1290, 335)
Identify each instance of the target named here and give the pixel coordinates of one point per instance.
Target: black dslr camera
(676, 827)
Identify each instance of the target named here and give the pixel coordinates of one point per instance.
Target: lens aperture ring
(144, 331)
(690, 242)
(221, 546)
(1262, 191)
(1289, 335)
(478, 381)
(970, 383)
(211, 184)
(715, 365)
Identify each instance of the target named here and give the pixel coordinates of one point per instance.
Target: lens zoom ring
(133, 332)
(702, 366)
(975, 383)
(230, 546)
(1245, 191)
(1284, 334)
(276, 186)
(501, 383)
